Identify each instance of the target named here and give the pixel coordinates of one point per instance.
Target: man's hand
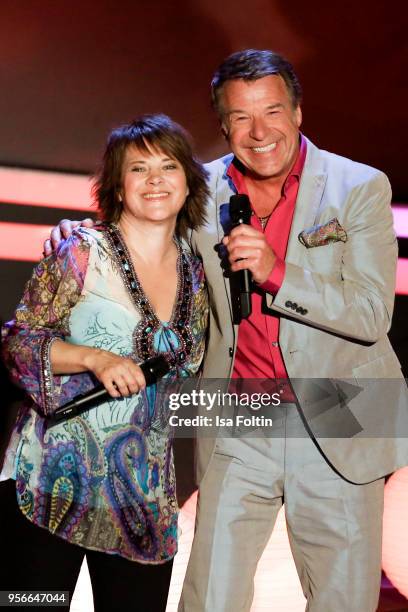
(62, 231)
(249, 250)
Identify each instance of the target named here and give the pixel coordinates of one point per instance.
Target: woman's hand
(120, 375)
(62, 231)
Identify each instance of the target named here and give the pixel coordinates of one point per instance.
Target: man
(322, 254)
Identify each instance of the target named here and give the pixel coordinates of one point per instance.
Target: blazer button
(288, 304)
(294, 306)
(299, 310)
(231, 351)
(304, 311)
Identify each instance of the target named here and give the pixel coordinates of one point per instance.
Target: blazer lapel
(224, 190)
(311, 189)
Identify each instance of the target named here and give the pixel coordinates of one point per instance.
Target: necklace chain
(264, 220)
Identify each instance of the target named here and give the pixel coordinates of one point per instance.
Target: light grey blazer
(346, 294)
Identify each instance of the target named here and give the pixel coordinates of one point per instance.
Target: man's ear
(298, 116)
(224, 130)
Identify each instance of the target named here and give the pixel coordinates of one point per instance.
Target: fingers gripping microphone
(240, 212)
(153, 369)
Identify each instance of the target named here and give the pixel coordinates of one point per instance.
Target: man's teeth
(150, 196)
(265, 149)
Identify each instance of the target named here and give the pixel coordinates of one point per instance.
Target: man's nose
(258, 129)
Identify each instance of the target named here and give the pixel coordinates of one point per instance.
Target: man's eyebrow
(276, 105)
(236, 110)
(268, 107)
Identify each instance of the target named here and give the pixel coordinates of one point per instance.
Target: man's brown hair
(251, 65)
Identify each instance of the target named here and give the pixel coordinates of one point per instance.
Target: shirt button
(275, 343)
(231, 351)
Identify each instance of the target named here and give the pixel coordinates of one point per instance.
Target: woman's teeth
(151, 196)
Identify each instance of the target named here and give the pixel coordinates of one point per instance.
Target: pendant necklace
(264, 221)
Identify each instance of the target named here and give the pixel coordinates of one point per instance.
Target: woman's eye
(170, 167)
(137, 169)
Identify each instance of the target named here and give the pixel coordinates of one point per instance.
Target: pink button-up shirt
(258, 354)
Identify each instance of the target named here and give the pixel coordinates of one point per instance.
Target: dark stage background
(70, 71)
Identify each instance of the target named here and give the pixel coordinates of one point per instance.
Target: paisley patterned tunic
(105, 479)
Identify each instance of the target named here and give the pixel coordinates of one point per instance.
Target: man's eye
(240, 118)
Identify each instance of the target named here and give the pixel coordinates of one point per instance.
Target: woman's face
(154, 187)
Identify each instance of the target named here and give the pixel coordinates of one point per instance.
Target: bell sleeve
(43, 316)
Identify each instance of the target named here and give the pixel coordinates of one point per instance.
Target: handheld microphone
(153, 368)
(240, 212)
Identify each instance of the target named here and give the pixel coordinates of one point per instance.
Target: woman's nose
(155, 177)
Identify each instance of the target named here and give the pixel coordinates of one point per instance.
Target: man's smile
(265, 149)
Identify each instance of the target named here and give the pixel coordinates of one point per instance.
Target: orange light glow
(400, 214)
(49, 189)
(21, 241)
(395, 531)
(402, 277)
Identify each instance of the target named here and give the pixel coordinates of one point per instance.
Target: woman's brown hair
(151, 133)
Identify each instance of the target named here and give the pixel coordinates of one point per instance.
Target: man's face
(261, 125)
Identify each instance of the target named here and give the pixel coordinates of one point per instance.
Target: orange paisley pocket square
(319, 235)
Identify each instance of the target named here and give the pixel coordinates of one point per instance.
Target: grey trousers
(334, 527)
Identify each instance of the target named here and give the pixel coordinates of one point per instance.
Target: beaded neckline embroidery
(181, 316)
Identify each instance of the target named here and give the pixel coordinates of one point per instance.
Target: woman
(110, 298)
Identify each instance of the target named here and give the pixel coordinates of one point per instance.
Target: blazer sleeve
(43, 316)
(358, 302)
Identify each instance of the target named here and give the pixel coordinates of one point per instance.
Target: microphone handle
(245, 302)
(80, 404)
(153, 368)
(240, 213)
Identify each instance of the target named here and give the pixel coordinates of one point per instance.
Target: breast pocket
(326, 259)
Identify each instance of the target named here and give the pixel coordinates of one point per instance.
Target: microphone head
(240, 209)
(154, 368)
